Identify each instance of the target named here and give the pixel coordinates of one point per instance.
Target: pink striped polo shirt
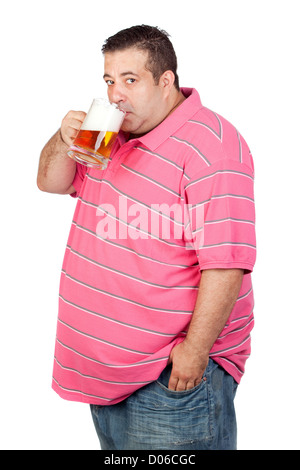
(170, 204)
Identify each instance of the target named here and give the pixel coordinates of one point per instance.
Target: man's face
(132, 87)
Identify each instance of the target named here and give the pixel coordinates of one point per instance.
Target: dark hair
(161, 54)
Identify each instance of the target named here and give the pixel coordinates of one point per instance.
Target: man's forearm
(218, 291)
(56, 170)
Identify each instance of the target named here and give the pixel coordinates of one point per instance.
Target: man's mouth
(126, 111)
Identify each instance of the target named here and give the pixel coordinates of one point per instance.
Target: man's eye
(130, 80)
(109, 82)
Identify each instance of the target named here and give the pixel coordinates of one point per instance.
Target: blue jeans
(155, 417)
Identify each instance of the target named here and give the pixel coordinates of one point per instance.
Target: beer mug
(96, 137)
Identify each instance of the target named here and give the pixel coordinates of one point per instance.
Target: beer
(93, 143)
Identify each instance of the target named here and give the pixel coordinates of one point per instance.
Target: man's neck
(177, 99)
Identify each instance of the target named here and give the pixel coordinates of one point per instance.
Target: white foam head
(103, 116)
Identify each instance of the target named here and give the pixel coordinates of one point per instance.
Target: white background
(243, 57)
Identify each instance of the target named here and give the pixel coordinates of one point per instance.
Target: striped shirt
(170, 204)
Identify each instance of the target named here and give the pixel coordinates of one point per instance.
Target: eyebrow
(106, 75)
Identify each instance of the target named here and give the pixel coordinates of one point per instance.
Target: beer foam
(103, 116)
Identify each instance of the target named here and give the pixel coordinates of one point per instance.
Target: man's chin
(133, 130)
(127, 126)
(129, 129)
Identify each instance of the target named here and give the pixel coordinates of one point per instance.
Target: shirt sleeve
(220, 223)
(78, 178)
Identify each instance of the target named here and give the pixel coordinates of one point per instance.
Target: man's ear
(167, 80)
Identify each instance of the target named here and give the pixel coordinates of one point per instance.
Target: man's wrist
(196, 347)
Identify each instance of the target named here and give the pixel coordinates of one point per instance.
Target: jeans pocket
(163, 381)
(172, 419)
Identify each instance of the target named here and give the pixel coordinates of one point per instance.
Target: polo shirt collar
(169, 126)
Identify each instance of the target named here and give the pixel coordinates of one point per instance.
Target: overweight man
(156, 300)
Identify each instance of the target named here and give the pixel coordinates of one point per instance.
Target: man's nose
(116, 94)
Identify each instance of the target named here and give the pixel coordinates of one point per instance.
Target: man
(156, 301)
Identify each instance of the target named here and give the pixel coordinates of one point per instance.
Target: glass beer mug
(97, 135)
